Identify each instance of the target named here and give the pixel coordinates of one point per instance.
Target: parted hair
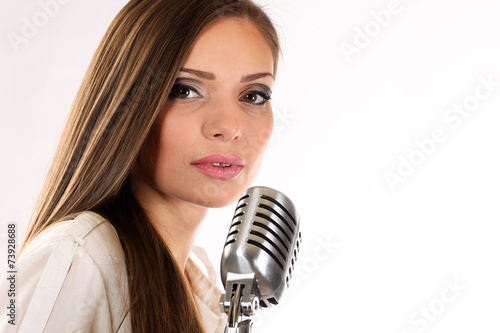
(124, 89)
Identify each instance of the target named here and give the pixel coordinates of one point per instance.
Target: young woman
(172, 118)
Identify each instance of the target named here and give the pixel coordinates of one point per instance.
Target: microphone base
(239, 303)
(241, 327)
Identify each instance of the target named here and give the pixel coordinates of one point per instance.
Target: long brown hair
(126, 86)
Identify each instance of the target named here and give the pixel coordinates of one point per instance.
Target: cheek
(260, 133)
(176, 136)
(258, 136)
(163, 148)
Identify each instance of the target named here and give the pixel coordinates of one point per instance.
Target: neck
(176, 221)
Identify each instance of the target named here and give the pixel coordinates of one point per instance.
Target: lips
(219, 166)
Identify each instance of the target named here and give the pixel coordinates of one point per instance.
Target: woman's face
(208, 143)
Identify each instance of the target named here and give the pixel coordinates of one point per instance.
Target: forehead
(231, 44)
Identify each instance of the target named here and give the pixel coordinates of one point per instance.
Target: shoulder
(88, 239)
(89, 230)
(87, 244)
(76, 270)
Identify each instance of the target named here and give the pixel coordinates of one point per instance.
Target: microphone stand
(239, 303)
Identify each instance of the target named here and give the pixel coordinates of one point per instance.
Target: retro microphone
(259, 255)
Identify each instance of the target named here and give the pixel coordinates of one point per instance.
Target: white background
(373, 258)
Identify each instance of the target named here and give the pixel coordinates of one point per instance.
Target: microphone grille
(264, 238)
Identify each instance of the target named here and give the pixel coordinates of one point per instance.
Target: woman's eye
(257, 98)
(183, 92)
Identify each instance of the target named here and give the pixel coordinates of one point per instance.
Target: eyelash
(266, 97)
(178, 86)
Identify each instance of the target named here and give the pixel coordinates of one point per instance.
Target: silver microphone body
(260, 250)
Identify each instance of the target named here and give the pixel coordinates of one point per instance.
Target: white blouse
(73, 278)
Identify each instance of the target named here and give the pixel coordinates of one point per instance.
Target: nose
(223, 123)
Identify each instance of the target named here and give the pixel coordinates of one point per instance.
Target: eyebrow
(256, 76)
(211, 76)
(200, 74)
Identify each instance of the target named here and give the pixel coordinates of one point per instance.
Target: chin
(218, 201)
(215, 196)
